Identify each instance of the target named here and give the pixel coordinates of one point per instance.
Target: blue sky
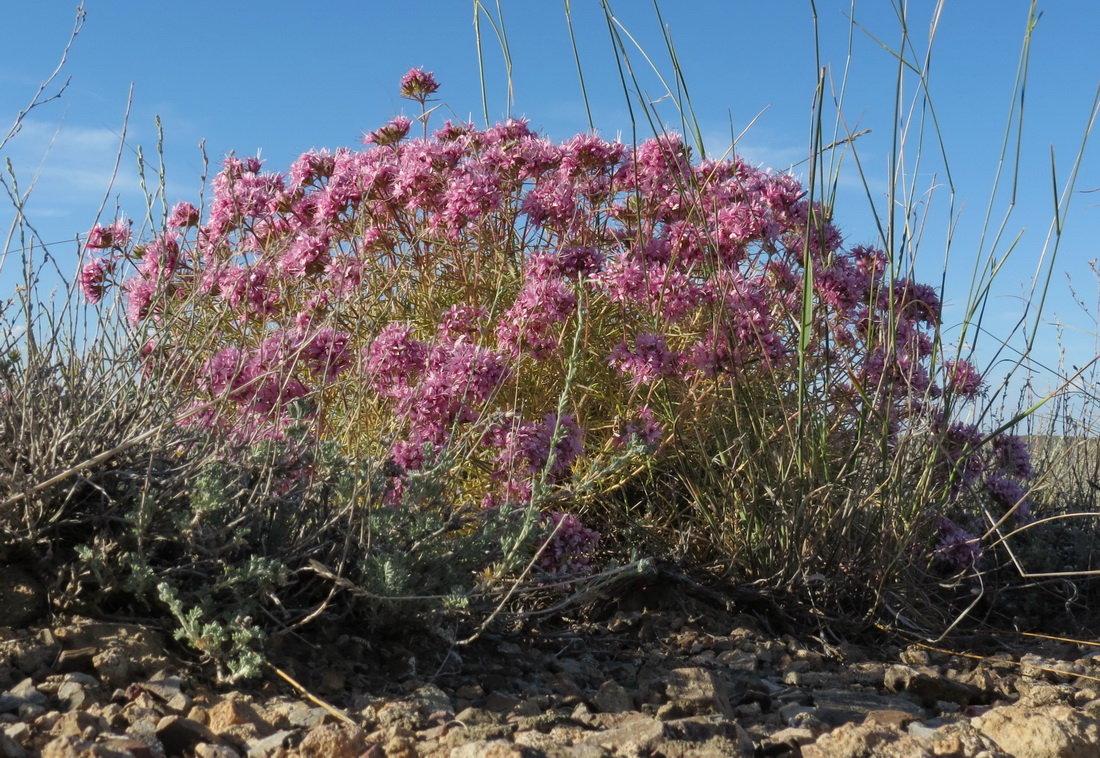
(282, 78)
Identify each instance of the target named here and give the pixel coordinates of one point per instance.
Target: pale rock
(612, 697)
(698, 691)
(493, 749)
(1055, 731)
(229, 713)
(332, 741)
(865, 741)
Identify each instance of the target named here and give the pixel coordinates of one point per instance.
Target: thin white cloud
(70, 172)
(67, 166)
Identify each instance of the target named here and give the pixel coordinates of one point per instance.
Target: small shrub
(520, 309)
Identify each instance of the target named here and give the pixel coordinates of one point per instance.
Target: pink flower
(455, 383)
(1009, 493)
(326, 353)
(474, 372)
(959, 448)
(649, 361)
(248, 290)
(311, 167)
(308, 254)
(161, 257)
(112, 235)
(139, 298)
(531, 324)
(528, 447)
(914, 301)
(870, 262)
(471, 192)
(957, 547)
(587, 152)
(463, 320)
(642, 427)
(579, 262)
(344, 273)
(183, 215)
(391, 133)
(452, 132)
(963, 379)
(394, 359)
(842, 286)
(418, 85)
(552, 203)
(313, 310)
(93, 277)
(1012, 456)
(221, 372)
(242, 194)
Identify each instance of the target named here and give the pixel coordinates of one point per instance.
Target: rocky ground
(666, 673)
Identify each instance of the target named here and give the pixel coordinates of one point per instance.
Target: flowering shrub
(536, 306)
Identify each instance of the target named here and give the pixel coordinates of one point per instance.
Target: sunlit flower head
(418, 85)
(112, 235)
(390, 134)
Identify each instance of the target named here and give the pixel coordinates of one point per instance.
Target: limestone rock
(332, 741)
(867, 741)
(698, 691)
(1055, 731)
(612, 697)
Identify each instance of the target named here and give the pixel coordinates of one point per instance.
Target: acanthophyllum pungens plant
(579, 326)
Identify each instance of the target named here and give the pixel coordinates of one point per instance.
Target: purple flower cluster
(1012, 456)
(643, 427)
(529, 451)
(648, 360)
(996, 471)
(183, 215)
(390, 134)
(436, 388)
(570, 547)
(93, 278)
(963, 379)
(956, 547)
(534, 322)
(554, 442)
(94, 273)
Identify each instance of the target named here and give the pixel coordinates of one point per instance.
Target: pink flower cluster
(93, 275)
(115, 235)
(436, 388)
(643, 428)
(531, 451)
(465, 266)
(261, 383)
(418, 85)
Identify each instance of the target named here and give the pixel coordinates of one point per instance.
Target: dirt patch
(662, 672)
